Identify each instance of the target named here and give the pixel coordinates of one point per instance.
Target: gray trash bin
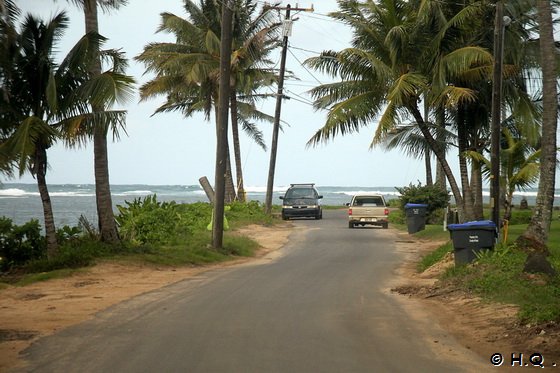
(415, 216)
(471, 238)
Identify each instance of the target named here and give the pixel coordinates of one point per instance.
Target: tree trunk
(427, 152)
(222, 127)
(428, 164)
(237, 149)
(440, 122)
(462, 142)
(539, 226)
(476, 186)
(105, 215)
(440, 155)
(50, 229)
(230, 195)
(229, 188)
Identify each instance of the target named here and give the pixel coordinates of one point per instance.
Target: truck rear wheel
(350, 225)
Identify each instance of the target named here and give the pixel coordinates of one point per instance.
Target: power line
(306, 69)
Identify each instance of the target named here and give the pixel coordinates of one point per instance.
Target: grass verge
(153, 233)
(498, 275)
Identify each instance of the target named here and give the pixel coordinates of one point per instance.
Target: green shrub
(20, 243)
(149, 221)
(432, 195)
(397, 217)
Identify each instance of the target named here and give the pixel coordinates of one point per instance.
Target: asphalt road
(321, 307)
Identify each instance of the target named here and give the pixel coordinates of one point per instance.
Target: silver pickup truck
(368, 209)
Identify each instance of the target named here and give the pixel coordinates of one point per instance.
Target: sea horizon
(21, 202)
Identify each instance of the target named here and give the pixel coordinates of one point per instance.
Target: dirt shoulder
(31, 312)
(35, 311)
(485, 328)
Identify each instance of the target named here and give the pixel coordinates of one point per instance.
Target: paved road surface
(320, 307)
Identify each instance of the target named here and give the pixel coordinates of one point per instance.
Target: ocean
(21, 202)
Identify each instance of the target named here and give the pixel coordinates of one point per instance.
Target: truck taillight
(386, 211)
(349, 211)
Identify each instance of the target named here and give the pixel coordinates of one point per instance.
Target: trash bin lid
(414, 205)
(477, 224)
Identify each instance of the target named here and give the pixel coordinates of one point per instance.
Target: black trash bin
(415, 216)
(471, 238)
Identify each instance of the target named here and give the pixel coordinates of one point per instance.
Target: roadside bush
(20, 243)
(435, 197)
(252, 211)
(397, 217)
(149, 221)
(195, 216)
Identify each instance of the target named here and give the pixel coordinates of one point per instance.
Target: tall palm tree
(44, 101)
(31, 103)
(401, 51)
(384, 74)
(253, 40)
(8, 46)
(106, 218)
(538, 230)
(187, 71)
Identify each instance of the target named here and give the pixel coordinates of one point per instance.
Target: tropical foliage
(187, 71)
(106, 219)
(44, 101)
(435, 53)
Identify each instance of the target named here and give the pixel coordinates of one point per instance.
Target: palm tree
(8, 45)
(536, 234)
(44, 102)
(187, 71)
(33, 98)
(106, 218)
(386, 71)
(406, 50)
(253, 40)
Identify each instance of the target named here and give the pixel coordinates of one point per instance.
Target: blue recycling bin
(472, 237)
(415, 216)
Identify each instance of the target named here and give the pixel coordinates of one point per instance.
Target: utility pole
(496, 128)
(222, 127)
(279, 96)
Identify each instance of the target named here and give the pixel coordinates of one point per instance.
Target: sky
(169, 149)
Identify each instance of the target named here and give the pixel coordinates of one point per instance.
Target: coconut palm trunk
(237, 149)
(229, 191)
(440, 155)
(106, 218)
(440, 122)
(476, 188)
(40, 172)
(538, 229)
(468, 200)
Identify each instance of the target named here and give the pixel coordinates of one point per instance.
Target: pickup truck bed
(368, 209)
